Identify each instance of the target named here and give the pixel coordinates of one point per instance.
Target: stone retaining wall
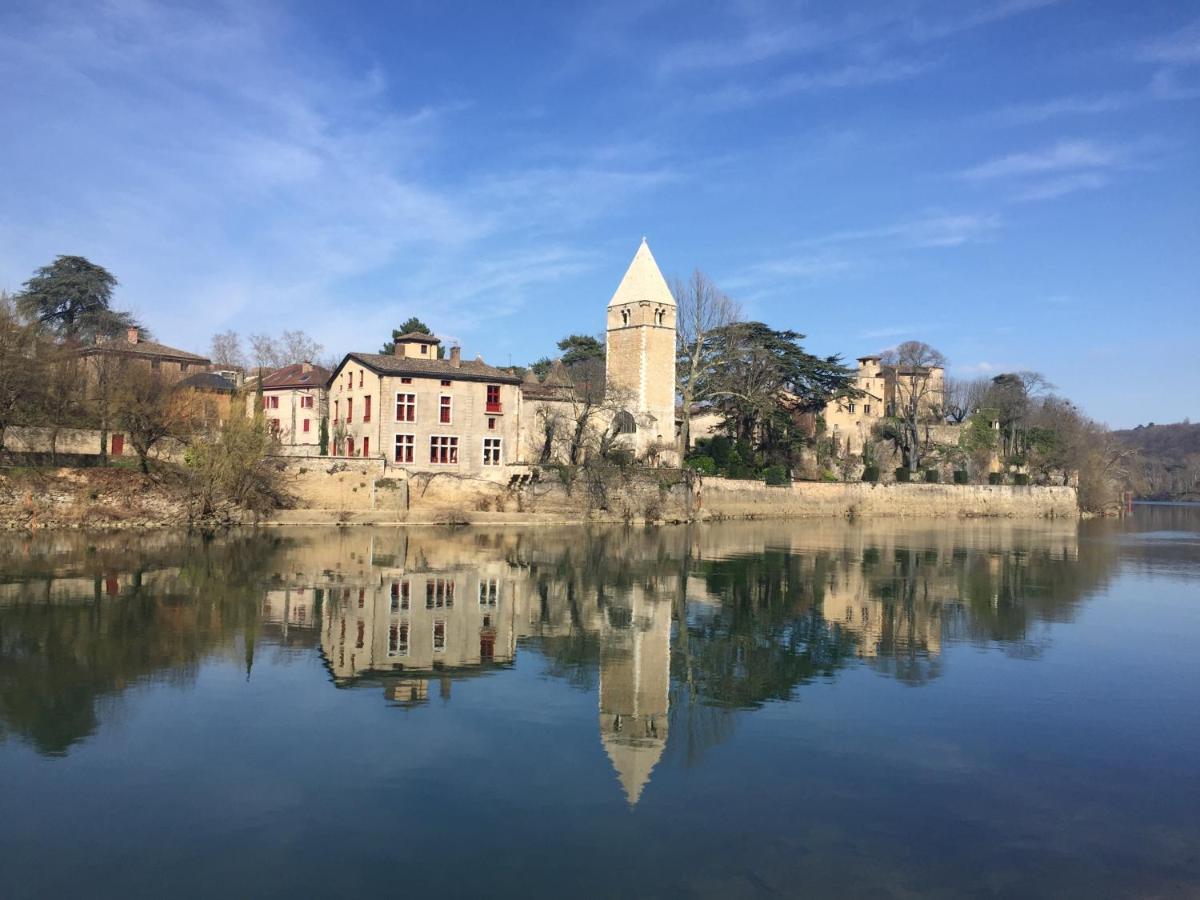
(724, 498)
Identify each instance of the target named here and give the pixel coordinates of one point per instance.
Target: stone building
(170, 361)
(850, 420)
(640, 353)
(423, 413)
(294, 401)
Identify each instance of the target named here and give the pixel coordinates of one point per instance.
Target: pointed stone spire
(643, 281)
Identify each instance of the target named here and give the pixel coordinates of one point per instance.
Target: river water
(877, 709)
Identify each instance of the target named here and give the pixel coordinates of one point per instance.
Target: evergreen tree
(73, 298)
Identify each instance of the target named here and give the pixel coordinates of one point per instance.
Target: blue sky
(1016, 182)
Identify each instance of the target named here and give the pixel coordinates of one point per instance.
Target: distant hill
(1168, 462)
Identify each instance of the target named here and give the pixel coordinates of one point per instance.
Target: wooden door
(118, 444)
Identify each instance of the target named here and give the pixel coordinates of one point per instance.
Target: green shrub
(995, 478)
(1021, 478)
(903, 474)
(871, 473)
(827, 475)
(961, 476)
(776, 475)
(932, 476)
(704, 464)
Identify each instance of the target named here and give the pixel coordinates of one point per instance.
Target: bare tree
(18, 366)
(150, 410)
(62, 392)
(915, 371)
(268, 353)
(227, 349)
(701, 309)
(963, 397)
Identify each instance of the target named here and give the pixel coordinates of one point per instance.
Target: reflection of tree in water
(767, 634)
(739, 630)
(62, 661)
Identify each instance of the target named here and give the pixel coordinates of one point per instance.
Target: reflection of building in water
(635, 661)
(417, 607)
(884, 626)
(289, 608)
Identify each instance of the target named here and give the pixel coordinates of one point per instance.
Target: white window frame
(412, 445)
(401, 647)
(433, 635)
(489, 593)
(499, 457)
(449, 409)
(447, 437)
(400, 394)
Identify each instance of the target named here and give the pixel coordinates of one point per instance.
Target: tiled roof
(466, 370)
(208, 381)
(418, 336)
(145, 348)
(294, 376)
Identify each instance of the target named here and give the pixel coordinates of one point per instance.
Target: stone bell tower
(640, 350)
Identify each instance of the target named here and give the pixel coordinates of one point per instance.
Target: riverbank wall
(647, 495)
(722, 498)
(363, 492)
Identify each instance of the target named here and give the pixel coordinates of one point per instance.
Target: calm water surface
(749, 709)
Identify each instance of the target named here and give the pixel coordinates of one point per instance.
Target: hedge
(871, 473)
(903, 474)
(932, 476)
(995, 478)
(961, 476)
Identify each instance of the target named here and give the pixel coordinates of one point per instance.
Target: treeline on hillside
(1167, 461)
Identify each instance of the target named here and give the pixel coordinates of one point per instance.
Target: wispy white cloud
(1029, 113)
(967, 16)
(1059, 157)
(267, 180)
(855, 75)
(936, 230)
(1053, 188)
(1180, 48)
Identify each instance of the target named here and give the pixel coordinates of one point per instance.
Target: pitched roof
(419, 337)
(208, 381)
(294, 376)
(144, 348)
(642, 281)
(466, 370)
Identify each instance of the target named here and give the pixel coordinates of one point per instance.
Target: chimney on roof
(456, 356)
(132, 335)
(305, 367)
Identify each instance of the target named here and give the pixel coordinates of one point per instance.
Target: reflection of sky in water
(743, 709)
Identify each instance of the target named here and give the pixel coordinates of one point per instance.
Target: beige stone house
(170, 361)
(294, 401)
(425, 414)
(850, 419)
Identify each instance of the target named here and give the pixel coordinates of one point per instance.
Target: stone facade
(640, 351)
(850, 420)
(133, 348)
(294, 401)
(423, 414)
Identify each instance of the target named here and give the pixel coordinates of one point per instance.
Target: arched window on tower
(658, 316)
(624, 317)
(624, 423)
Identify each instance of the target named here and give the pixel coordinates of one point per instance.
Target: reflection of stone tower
(640, 349)
(635, 660)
